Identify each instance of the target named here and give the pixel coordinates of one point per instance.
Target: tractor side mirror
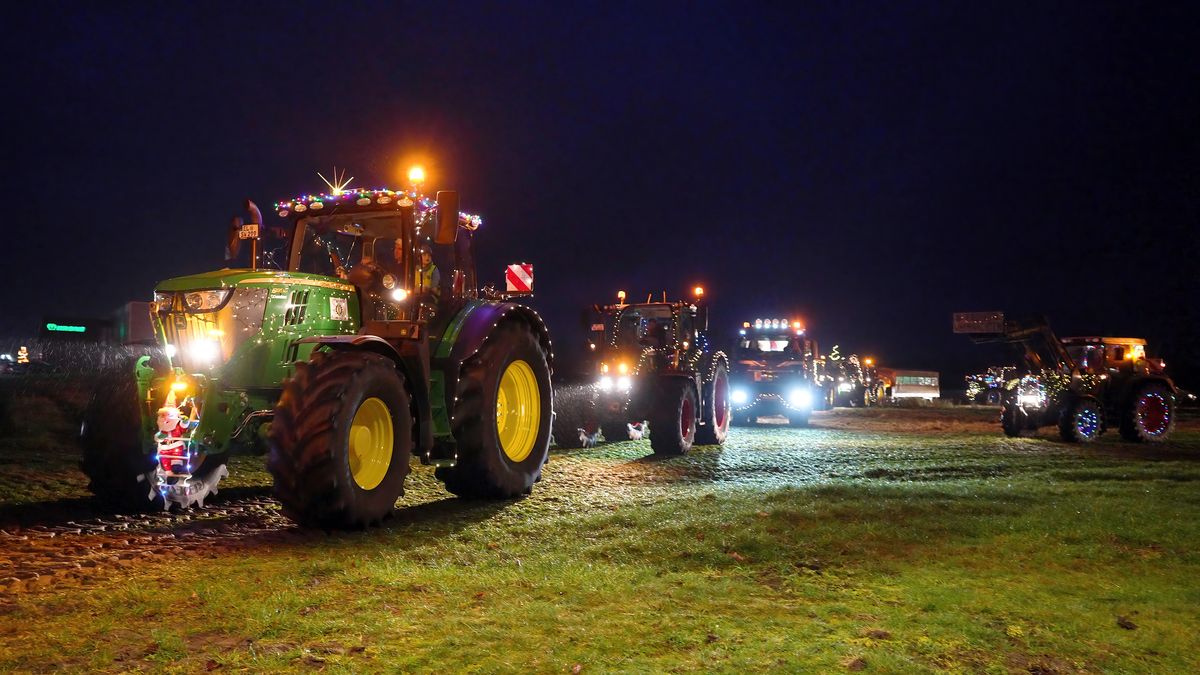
(233, 240)
(702, 318)
(447, 217)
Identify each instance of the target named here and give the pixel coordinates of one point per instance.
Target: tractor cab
(629, 339)
(1110, 355)
(774, 344)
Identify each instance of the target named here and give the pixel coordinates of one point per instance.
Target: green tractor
(338, 363)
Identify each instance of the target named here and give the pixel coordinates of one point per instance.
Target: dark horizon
(869, 168)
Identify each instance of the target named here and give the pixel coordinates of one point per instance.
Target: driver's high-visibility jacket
(427, 280)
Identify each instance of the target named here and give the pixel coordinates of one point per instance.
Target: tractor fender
(477, 325)
(410, 365)
(1133, 384)
(470, 330)
(708, 366)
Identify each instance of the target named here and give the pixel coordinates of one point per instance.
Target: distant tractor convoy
(653, 364)
(1082, 385)
(356, 335)
(337, 364)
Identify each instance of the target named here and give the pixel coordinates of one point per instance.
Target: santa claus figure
(173, 455)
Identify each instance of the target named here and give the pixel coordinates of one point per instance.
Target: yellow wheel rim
(371, 439)
(518, 410)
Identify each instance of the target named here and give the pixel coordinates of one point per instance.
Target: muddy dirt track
(71, 542)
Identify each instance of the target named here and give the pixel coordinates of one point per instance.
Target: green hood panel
(228, 278)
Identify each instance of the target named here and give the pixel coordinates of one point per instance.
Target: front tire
(502, 419)
(717, 413)
(798, 420)
(121, 474)
(1011, 419)
(1082, 421)
(1150, 416)
(673, 419)
(615, 430)
(341, 440)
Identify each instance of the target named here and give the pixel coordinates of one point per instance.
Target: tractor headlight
(1030, 400)
(739, 396)
(801, 397)
(399, 295)
(605, 383)
(206, 301)
(205, 351)
(389, 281)
(624, 383)
(171, 351)
(845, 387)
(162, 301)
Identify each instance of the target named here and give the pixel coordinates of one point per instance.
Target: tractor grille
(203, 340)
(297, 308)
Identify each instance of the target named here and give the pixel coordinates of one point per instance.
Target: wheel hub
(371, 443)
(1153, 414)
(1087, 422)
(518, 410)
(721, 399)
(686, 417)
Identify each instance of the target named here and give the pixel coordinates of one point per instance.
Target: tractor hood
(228, 278)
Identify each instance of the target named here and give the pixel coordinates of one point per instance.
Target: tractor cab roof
(366, 202)
(1115, 341)
(645, 307)
(354, 201)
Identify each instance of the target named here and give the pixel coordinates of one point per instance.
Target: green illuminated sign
(63, 328)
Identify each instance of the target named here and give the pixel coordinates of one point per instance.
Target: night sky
(871, 167)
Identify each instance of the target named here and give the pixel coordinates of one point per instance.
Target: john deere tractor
(652, 362)
(1083, 385)
(338, 357)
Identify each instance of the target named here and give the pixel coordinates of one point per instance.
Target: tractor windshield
(768, 343)
(335, 246)
(638, 327)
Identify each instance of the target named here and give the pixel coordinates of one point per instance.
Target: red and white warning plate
(518, 278)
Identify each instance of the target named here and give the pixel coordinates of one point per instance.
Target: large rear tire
(717, 413)
(1150, 415)
(673, 419)
(502, 419)
(341, 440)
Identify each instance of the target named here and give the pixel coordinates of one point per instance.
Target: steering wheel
(367, 276)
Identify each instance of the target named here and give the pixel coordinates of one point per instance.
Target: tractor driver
(427, 280)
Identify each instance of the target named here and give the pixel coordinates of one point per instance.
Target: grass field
(880, 540)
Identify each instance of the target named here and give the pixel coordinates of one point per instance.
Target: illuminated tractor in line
(331, 359)
(1082, 385)
(987, 387)
(652, 362)
(853, 382)
(776, 371)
